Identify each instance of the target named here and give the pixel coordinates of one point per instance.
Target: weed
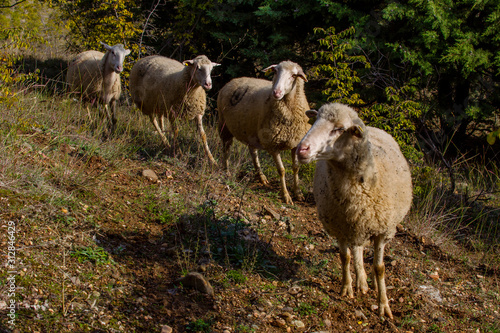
(305, 309)
(95, 255)
(198, 325)
(237, 276)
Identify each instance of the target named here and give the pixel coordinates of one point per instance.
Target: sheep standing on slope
(266, 115)
(362, 188)
(164, 87)
(96, 76)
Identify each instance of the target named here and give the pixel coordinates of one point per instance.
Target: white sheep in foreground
(96, 76)
(266, 115)
(165, 87)
(362, 188)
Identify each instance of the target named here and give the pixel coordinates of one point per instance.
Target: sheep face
(285, 74)
(201, 68)
(336, 133)
(116, 57)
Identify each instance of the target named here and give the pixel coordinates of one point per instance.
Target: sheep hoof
(287, 199)
(299, 196)
(362, 286)
(262, 178)
(347, 291)
(385, 310)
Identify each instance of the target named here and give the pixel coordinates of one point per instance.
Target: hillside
(99, 247)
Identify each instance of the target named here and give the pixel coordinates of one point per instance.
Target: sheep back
(355, 210)
(249, 112)
(158, 85)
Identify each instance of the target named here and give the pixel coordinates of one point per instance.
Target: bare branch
(13, 5)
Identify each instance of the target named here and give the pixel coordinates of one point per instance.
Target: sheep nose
(303, 151)
(207, 86)
(118, 69)
(277, 94)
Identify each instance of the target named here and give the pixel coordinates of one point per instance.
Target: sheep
(162, 87)
(96, 76)
(362, 188)
(266, 115)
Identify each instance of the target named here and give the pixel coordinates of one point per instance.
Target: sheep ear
(357, 131)
(106, 46)
(267, 70)
(302, 75)
(312, 113)
(127, 52)
(214, 64)
(188, 62)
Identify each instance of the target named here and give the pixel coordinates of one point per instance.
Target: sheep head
(115, 56)
(201, 69)
(285, 75)
(335, 135)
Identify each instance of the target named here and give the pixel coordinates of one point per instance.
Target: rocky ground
(183, 248)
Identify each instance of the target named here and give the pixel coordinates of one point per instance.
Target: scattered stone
(166, 329)
(431, 293)
(279, 322)
(298, 324)
(328, 323)
(197, 281)
(294, 290)
(360, 314)
(435, 276)
(150, 175)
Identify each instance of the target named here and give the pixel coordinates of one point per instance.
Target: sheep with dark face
(362, 188)
(266, 115)
(163, 87)
(96, 77)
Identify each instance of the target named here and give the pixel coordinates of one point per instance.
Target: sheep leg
(345, 258)
(162, 123)
(226, 144)
(203, 136)
(281, 171)
(227, 140)
(112, 116)
(295, 167)
(361, 284)
(256, 164)
(154, 120)
(379, 269)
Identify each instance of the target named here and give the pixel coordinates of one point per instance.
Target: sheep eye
(337, 129)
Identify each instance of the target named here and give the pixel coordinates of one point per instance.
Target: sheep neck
(108, 77)
(296, 97)
(358, 164)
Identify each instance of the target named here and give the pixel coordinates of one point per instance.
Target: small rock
(434, 276)
(279, 322)
(360, 314)
(298, 324)
(328, 323)
(166, 329)
(294, 290)
(150, 174)
(197, 281)
(430, 292)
